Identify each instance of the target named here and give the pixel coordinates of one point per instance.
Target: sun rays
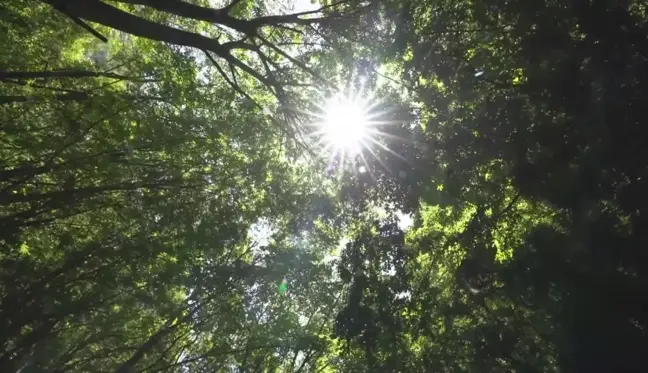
(345, 124)
(348, 125)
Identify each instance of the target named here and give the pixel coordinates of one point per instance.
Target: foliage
(531, 144)
(164, 206)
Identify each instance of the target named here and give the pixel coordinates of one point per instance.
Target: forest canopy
(316, 186)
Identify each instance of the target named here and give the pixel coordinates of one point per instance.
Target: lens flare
(283, 286)
(348, 125)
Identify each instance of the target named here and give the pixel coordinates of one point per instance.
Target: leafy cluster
(165, 208)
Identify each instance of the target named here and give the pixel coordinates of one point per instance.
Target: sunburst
(347, 125)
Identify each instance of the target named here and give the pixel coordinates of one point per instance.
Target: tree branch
(221, 16)
(83, 25)
(107, 15)
(54, 74)
(232, 83)
(197, 12)
(298, 63)
(74, 96)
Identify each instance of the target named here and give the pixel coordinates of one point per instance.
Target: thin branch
(233, 72)
(237, 63)
(315, 44)
(75, 96)
(214, 352)
(294, 17)
(328, 362)
(54, 74)
(83, 25)
(298, 63)
(166, 351)
(280, 94)
(233, 84)
(393, 80)
(87, 27)
(310, 355)
(25, 84)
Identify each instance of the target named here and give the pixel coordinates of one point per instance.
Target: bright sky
(404, 220)
(305, 5)
(297, 5)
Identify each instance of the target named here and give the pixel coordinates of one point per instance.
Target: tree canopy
(323, 186)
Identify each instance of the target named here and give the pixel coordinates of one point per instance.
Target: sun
(345, 125)
(349, 127)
